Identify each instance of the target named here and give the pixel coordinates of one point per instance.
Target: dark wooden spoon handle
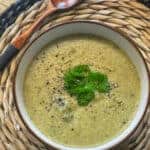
(7, 55)
(19, 41)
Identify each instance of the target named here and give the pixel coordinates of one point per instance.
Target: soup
(57, 114)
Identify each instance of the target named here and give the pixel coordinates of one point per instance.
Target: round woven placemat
(128, 16)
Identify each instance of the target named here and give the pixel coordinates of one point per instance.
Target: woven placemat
(11, 13)
(128, 16)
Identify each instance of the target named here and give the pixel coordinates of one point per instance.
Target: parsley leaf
(81, 82)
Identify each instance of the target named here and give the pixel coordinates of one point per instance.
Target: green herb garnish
(81, 82)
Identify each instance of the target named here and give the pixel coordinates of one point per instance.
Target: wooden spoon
(19, 41)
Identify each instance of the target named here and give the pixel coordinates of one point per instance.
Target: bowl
(81, 27)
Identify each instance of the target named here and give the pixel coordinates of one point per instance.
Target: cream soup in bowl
(82, 88)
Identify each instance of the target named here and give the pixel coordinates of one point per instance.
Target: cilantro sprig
(82, 83)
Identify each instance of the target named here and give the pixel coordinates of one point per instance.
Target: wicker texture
(4, 4)
(128, 16)
(9, 16)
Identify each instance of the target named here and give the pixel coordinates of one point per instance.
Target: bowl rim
(121, 33)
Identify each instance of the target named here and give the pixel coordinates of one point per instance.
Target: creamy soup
(57, 114)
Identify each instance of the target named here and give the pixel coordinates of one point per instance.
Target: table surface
(4, 4)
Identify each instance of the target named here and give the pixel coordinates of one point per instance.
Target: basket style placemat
(12, 10)
(129, 16)
(4, 4)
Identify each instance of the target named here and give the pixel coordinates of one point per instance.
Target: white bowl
(94, 28)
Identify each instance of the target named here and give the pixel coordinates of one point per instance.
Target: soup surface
(58, 115)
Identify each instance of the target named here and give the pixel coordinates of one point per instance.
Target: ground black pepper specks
(104, 117)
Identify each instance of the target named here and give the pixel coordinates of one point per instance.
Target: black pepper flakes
(132, 95)
(56, 55)
(124, 122)
(57, 45)
(47, 83)
(119, 103)
(59, 91)
(109, 70)
(37, 58)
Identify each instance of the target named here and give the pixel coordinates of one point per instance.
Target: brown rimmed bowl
(83, 27)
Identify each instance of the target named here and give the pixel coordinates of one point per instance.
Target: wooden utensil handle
(7, 55)
(20, 40)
